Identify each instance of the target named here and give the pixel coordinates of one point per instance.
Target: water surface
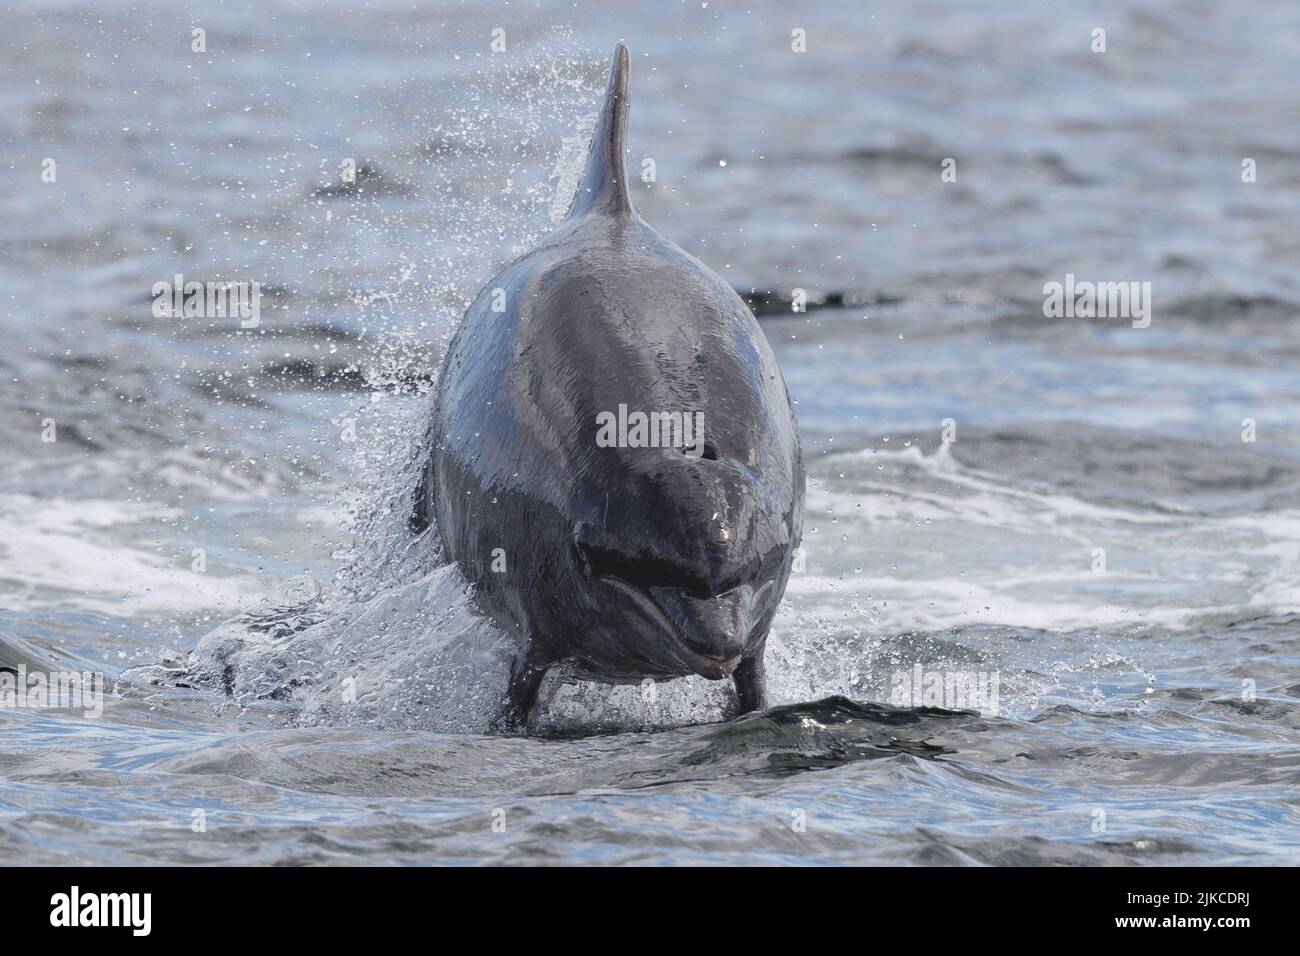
(320, 691)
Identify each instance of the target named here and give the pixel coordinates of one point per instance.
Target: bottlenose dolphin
(615, 464)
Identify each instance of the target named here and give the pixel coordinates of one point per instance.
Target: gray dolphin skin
(615, 462)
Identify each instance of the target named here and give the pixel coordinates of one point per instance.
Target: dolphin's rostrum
(650, 555)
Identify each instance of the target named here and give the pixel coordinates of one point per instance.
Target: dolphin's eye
(708, 453)
(642, 572)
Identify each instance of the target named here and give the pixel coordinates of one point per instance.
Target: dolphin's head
(686, 560)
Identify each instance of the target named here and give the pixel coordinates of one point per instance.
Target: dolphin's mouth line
(707, 665)
(656, 613)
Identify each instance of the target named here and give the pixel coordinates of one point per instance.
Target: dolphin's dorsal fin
(604, 182)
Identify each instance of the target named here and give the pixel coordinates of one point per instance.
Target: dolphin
(615, 463)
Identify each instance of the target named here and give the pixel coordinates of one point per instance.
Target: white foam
(91, 555)
(942, 545)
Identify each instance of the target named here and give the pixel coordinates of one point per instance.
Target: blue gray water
(217, 526)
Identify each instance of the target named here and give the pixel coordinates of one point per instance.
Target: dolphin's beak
(711, 629)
